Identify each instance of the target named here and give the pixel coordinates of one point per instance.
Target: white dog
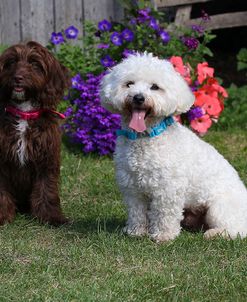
(161, 166)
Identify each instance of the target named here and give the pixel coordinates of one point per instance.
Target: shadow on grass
(93, 226)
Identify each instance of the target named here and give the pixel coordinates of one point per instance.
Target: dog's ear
(4, 56)
(185, 97)
(57, 76)
(106, 88)
(179, 91)
(1, 63)
(58, 81)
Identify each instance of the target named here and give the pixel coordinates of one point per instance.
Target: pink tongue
(137, 122)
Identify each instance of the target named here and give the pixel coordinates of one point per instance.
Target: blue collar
(154, 131)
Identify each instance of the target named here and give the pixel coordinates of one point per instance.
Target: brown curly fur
(195, 219)
(32, 187)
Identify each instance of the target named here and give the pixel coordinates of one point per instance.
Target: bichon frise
(162, 167)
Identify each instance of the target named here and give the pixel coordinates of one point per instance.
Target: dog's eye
(36, 66)
(9, 63)
(154, 87)
(129, 83)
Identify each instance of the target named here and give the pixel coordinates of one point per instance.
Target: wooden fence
(22, 20)
(184, 8)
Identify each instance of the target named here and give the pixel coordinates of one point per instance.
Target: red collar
(31, 115)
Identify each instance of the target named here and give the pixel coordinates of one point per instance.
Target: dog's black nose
(138, 98)
(18, 78)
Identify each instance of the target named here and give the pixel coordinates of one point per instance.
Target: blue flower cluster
(127, 37)
(88, 124)
(70, 33)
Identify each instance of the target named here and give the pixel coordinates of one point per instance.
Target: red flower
(203, 72)
(216, 86)
(200, 98)
(179, 66)
(210, 104)
(212, 107)
(201, 124)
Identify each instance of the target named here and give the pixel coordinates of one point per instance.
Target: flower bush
(209, 95)
(93, 127)
(88, 123)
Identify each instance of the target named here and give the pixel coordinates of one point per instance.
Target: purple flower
(97, 34)
(76, 81)
(198, 28)
(88, 123)
(127, 35)
(57, 38)
(191, 42)
(68, 111)
(71, 32)
(102, 46)
(116, 38)
(107, 61)
(194, 113)
(143, 15)
(104, 25)
(153, 23)
(132, 21)
(205, 16)
(165, 37)
(88, 147)
(128, 52)
(195, 86)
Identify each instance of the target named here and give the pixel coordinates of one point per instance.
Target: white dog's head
(143, 88)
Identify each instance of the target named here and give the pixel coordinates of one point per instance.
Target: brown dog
(32, 82)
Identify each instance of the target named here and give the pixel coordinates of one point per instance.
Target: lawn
(91, 260)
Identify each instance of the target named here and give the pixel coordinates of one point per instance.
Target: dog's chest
(138, 165)
(21, 144)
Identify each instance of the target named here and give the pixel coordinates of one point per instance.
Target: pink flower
(201, 124)
(211, 90)
(203, 72)
(212, 107)
(212, 84)
(179, 66)
(201, 97)
(210, 104)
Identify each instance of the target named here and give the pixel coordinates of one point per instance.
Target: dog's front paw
(54, 220)
(162, 237)
(135, 230)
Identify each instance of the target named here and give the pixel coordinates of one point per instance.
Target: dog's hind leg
(45, 202)
(227, 216)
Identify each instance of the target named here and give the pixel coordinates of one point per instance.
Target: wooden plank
(68, 13)
(167, 3)
(37, 20)
(118, 11)
(10, 32)
(100, 9)
(222, 21)
(183, 14)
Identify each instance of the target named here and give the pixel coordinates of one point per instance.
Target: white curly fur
(160, 176)
(21, 127)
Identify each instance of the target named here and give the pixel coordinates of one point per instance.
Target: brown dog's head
(29, 72)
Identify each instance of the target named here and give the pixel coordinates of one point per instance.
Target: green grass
(91, 260)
